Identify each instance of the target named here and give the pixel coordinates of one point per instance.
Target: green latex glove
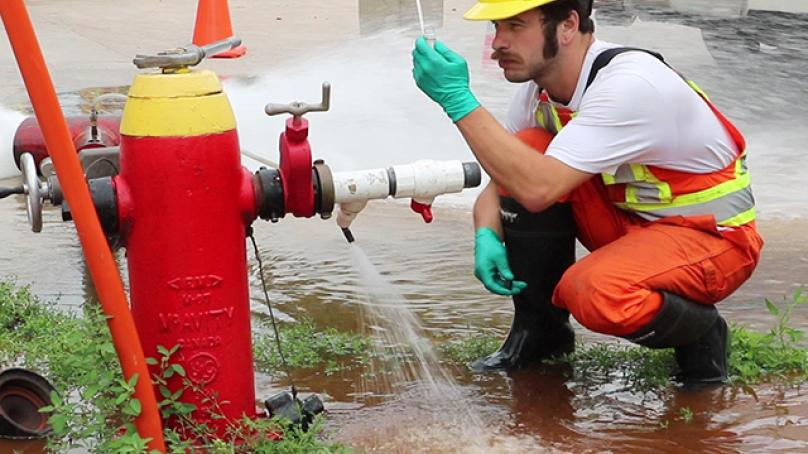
(444, 76)
(491, 264)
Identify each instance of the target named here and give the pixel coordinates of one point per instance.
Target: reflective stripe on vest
(730, 200)
(547, 110)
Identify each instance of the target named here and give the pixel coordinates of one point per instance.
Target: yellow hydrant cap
(177, 105)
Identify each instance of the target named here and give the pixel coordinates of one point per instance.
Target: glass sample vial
(429, 36)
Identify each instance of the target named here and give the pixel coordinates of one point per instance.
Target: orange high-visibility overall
(638, 250)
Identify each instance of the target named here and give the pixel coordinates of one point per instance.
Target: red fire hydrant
(182, 205)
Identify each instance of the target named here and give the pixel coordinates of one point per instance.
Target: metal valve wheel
(34, 190)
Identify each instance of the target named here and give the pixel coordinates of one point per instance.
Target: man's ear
(568, 28)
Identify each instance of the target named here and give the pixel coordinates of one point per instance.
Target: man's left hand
(444, 76)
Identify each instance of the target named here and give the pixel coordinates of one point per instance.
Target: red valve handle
(423, 209)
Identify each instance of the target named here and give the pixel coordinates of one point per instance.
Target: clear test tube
(429, 36)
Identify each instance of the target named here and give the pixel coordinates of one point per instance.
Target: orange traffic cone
(213, 24)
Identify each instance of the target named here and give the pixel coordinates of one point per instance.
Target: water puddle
(22, 446)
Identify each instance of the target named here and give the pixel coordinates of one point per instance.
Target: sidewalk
(91, 43)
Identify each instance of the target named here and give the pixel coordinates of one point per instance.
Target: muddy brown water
(729, 48)
(530, 411)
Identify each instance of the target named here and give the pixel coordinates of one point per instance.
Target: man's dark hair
(556, 12)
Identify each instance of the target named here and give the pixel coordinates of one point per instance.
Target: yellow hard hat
(501, 9)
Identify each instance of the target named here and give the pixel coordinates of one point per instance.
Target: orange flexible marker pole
(103, 270)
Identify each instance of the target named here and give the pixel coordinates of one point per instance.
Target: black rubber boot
(541, 246)
(698, 334)
(705, 362)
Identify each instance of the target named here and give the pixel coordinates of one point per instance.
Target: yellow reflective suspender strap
(545, 110)
(695, 87)
(540, 118)
(556, 119)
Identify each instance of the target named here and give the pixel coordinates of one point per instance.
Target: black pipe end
(269, 194)
(5, 192)
(473, 174)
(105, 200)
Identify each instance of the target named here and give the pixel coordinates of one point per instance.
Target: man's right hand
(443, 75)
(491, 264)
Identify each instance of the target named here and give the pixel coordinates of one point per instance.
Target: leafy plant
(77, 355)
(778, 353)
(686, 414)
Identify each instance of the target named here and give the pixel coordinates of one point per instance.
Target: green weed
(305, 347)
(686, 415)
(469, 348)
(77, 356)
(776, 354)
(641, 369)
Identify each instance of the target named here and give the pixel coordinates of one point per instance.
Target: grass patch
(469, 348)
(641, 369)
(94, 409)
(754, 356)
(305, 347)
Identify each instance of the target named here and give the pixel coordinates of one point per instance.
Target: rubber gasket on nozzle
(324, 191)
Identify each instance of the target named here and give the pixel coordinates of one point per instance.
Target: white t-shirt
(637, 111)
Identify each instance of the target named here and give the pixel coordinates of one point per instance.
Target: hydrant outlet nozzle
(348, 211)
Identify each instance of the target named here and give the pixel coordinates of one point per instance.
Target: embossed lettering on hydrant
(197, 299)
(188, 283)
(204, 321)
(200, 342)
